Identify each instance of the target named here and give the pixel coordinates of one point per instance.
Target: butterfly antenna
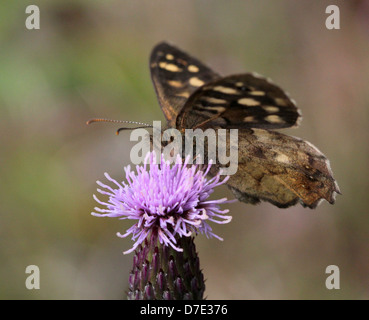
(141, 124)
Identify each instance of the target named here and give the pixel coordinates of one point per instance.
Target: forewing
(239, 101)
(176, 75)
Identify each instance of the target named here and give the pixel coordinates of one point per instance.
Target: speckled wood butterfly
(272, 166)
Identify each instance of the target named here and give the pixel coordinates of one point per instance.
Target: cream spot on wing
(257, 93)
(175, 83)
(270, 109)
(183, 94)
(281, 157)
(192, 68)
(225, 90)
(169, 56)
(172, 68)
(249, 119)
(169, 67)
(214, 100)
(219, 109)
(281, 102)
(248, 102)
(196, 82)
(239, 84)
(273, 119)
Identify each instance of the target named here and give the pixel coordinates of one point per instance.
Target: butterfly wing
(239, 101)
(271, 166)
(280, 169)
(176, 75)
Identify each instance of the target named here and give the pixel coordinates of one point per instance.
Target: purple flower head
(165, 200)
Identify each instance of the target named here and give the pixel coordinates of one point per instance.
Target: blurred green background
(90, 59)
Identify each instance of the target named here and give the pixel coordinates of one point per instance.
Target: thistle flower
(169, 204)
(167, 201)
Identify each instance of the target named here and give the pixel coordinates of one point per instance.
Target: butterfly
(272, 166)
